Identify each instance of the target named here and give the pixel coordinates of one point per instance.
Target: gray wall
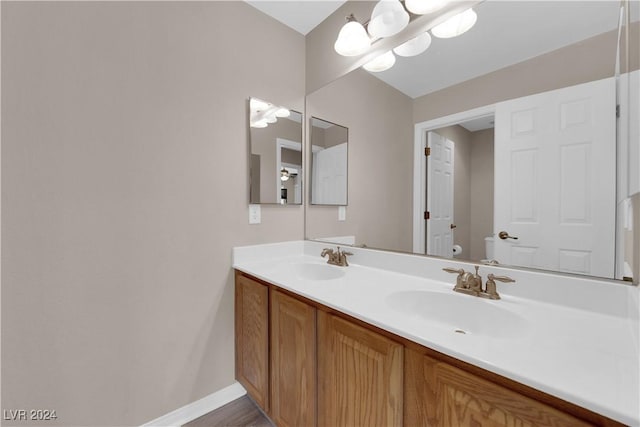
(481, 194)
(122, 123)
(578, 63)
(380, 161)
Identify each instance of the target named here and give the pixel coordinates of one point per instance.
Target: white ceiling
(507, 32)
(301, 15)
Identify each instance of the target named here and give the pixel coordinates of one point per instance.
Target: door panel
(293, 362)
(359, 376)
(555, 179)
(440, 195)
(252, 338)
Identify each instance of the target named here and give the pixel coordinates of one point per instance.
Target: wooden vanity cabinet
(293, 361)
(359, 375)
(252, 338)
(439, 394)
(276, 352)
(305, 364)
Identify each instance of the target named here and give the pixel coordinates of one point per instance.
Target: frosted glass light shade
(388, 18)
(415, 46)
(352, 39)
(259, 124)
(258, 104)
(282, 112)
(456, 25)
(421, 7)
(381, 63)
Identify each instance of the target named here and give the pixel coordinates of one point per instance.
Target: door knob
(504, 235)
(452, 226)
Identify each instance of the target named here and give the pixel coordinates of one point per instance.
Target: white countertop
(580, 349)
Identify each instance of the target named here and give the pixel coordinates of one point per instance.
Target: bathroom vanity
(387, 342)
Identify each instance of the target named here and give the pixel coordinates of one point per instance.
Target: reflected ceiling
(481, 50)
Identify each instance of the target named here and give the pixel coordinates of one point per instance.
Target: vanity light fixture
(422, 7)
(284, 175)
(388, 18)
(456, 25)
(415, 46)
(381, 62)
(352, 39)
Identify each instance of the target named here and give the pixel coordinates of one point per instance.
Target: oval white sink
(310, 271)
(462, 314)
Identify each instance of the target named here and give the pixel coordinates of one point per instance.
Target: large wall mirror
(519, 114)
(275, 141)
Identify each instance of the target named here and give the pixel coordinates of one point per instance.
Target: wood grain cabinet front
(252, 338)
(359, 375)
(438, 394)
(293, 362)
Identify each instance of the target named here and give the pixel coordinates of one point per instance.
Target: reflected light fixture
(388, 18)
(415, 46)
(284, 175)
(381, 62)
(421, 7)
(283, 112)
(456, 25)
(352, 39)
(263, 113)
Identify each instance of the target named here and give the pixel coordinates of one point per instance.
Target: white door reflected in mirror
(329, 146)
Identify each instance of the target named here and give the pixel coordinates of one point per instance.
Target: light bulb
(258, 105)
(421, 7)
(352, 40)
(456, 25)
(270, 118)
(381, 63)
(388, 18)
(259, 124)
(415, 46)
(282, 112)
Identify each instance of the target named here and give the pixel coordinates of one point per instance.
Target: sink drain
(460, 331)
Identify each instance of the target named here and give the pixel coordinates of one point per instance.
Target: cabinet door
(293, 362)
(438, 394)
(359, 376)
(252, 339)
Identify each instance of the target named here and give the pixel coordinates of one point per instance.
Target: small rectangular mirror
(275, 140)
(329, 155)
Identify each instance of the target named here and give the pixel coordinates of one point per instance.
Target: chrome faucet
(471, 284)
(338, 257)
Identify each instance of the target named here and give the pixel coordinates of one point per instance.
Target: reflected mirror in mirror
(497, 99)
(275, 140)
(329, 158)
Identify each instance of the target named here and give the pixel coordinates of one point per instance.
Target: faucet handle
(454, 270)
(490, 288)
(503, 279)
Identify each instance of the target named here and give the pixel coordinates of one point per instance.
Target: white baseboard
(198, 408)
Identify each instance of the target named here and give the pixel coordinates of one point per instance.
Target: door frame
(420, 166)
